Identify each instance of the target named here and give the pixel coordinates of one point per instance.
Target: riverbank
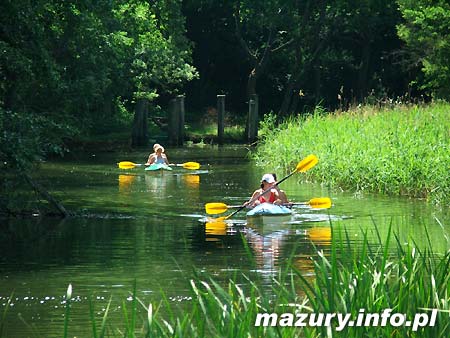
(403, 150)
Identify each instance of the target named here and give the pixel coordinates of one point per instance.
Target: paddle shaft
(283, 204)
(131, 165)
(289, 204)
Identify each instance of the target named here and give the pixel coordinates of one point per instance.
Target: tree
(159, 54)
(67, 67)
(260, 29)
(426, 33)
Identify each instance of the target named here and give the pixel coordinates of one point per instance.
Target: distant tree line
(70, 68)
(297, 54)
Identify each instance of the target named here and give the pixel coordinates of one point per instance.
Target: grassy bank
(368, 278)
(399, 151)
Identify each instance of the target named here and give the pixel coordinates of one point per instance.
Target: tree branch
(44, 193)
(237, 30)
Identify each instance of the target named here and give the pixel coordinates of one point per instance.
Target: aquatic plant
(368, 278)
(403, 150)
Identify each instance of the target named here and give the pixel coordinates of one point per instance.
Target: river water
(149, 228)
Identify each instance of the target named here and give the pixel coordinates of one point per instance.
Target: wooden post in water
(173, 127)
(252, 119)
(220, 118)
(181, 114)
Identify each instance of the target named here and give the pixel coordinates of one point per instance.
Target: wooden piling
(181, 116)
(252, 119)
(173, 121)
(176, 121)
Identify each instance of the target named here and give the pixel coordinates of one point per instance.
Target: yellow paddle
(304, 165)
(186, 165)
(318, 203)
(128, 165)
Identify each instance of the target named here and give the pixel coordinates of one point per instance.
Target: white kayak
(267, 213)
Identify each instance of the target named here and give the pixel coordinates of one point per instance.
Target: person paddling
(281, 193)
(271, 196)
(157, 156)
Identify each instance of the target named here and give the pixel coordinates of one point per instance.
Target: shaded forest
(73, 69)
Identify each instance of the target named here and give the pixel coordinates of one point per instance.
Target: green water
(149, 228)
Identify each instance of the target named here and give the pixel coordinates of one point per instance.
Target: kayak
(268, 213)
(158, 166)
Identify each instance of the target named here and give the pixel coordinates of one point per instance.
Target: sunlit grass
(400, 151)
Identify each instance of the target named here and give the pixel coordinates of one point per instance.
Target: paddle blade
(191, 165)
(215, 208)
(127, 165)
(320, 203)
(307, 163)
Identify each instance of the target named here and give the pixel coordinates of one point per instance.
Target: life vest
(272, 198)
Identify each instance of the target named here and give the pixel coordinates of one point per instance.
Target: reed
(373, 277)
(368, 277)
(4, 315)
(403, 150)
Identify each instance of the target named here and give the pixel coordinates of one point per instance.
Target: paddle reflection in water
(274, 243)
(192, 181)
(271, 249)
(215, 229)
(125, 182)
(320, 235)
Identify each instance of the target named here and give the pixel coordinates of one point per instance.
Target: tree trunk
(140, 131)
(317, 83)
(363, 72)
(288, 94)
(49, 198)
(294, 104)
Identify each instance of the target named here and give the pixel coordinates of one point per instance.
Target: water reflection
(319, 235)
(125, 182)
(158, 182)
(266, 249)
(273, 243)
(215, 229)
(192, 181)
(143, 226)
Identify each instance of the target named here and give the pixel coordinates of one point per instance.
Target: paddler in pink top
(271, 196)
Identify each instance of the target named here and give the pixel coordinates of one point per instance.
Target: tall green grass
(350, 278)
(400, 151)
(370, 277)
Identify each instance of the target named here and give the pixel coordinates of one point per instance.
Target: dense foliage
(425, 31)
(295, 54)
(87, 64)
(72, 68)
(84, 63)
